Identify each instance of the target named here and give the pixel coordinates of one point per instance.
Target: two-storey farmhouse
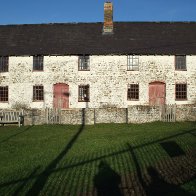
(77, 65)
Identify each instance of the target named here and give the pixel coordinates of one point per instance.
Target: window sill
(37, 70)
(84, 70)
(181, 99)
(38, 101)
(180, 69)
(132, 99)
(4, 101)
(83, 101)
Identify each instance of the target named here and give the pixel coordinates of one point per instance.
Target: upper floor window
(4, 62)
(133, 92)
(180, 62)
(181, 91)
(38, 93)
(84, 63)
(83, 93)
(132, 63)
(38, 62)
(3, 93)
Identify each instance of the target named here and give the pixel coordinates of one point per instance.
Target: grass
(74, 159)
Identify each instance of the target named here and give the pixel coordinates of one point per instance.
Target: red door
(157, 93)
(61, 96)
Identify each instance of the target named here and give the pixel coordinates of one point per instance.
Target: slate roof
(141, 38)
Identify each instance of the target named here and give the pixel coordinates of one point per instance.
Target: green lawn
(78, 160)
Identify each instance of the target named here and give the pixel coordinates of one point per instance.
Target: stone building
(94, 65)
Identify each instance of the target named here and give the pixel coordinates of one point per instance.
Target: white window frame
(133, 63)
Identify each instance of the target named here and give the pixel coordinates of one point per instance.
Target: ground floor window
(4, 94)
(83, 93)
(133, 92)
(38, 93)
(181, 91)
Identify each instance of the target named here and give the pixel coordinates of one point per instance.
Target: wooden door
(61, 96)
(157, 93)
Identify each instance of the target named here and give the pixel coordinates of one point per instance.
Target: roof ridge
(75, 23)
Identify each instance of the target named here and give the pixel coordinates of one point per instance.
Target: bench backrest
(10, 116)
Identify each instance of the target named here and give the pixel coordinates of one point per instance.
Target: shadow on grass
(193, 133)
(158, 186)
(99, 181)
(14, 135)
(43, 177)
(172, 148)
(107, 181)
(26, 181)
(125, 150)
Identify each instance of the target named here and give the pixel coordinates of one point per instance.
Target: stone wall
(186, 112)
(108, 79)
(142, 114)
(77, 116)
(34, 117)
(110, 115)
(132, 114)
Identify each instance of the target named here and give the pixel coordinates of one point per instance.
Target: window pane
(38, 93)
(132, 63)
(133, 92)
(4, 93)
(181, 91)
(4, 62)
(180, 62)
(38, 63)
(83, 93)
(84, 63)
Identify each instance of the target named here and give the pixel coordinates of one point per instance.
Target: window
(132, 63)
(4, 94)
(133, 92)
(83, 93)
(4, 62)
(84, 63)
(181, 91)
(180, 62)
(38, 93)
(38, 62)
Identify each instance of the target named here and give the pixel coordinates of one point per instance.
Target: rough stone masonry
(108, 79)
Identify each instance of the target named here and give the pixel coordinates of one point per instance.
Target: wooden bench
(12, 117)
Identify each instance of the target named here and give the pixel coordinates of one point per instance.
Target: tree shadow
(159, 186)
(193, 133)
(107, 181)
(24, 183)
(137, 166)
(43, 177)
(125, 150)
(172, 148)
(14, 135)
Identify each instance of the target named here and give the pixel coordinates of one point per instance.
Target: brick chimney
(108, 18)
